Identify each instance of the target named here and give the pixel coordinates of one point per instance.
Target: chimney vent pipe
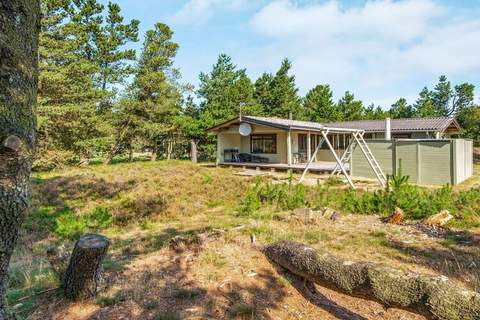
(388, 129)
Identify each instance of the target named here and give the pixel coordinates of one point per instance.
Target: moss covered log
(19, 30)
(434, 297)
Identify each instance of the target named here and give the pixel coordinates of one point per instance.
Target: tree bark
(130, 152)
(19, 30)
(85, 269)
(193, 150)
(112, 153)
(169, 149)
(431, 296)
(154, 153)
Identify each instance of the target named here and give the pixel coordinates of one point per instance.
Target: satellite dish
(245, 129)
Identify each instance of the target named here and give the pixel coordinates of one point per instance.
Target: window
(302, 142)
(263, 143)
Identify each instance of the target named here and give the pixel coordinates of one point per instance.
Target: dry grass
(224, 278)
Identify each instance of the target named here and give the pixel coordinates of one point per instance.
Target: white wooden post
(309, 146)
(289, 148)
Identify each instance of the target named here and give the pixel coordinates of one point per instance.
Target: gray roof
(397, 125)
(400, 125)
(284, 123)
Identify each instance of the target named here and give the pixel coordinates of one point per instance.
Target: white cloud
(200, 11)
(374, 49)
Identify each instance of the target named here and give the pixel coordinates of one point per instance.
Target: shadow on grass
(460, 262)
(57, 190)
(165, 288)
(308, 290)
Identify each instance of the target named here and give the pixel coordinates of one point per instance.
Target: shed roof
(401, 125)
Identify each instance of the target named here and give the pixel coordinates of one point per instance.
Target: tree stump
(85, 269)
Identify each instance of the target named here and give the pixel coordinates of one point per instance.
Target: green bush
(40, 219)
(70, 226)
(99, 218)
(417, 202)
(46, 160)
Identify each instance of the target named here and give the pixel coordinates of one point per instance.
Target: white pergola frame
(357, 139)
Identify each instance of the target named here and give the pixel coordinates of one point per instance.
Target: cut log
(85, 269)
(438, 219)
(397, 217)
(434, 297)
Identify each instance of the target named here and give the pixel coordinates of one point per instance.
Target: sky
(378, 49)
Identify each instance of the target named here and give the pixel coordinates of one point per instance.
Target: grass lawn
(143, 206)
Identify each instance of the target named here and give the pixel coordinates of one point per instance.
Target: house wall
(425, 162)
(231, 139)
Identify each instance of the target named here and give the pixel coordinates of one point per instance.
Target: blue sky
(379, 50)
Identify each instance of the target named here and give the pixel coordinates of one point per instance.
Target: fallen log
(431, 296)
(84, 272)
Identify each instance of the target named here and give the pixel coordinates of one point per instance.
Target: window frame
(263, 137)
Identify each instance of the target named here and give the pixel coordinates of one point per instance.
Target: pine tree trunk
(112, 153)
(19, 29)
(85, 269)
(130, 153)
(169, 149)
(193, 150)
(154, 153)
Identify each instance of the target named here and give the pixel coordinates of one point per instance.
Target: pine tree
(448, 101)
(68, 123)
(469, 119)
(156, 89)
(284, 94)
(374, 113)
(81, 60)
(424, 106)
(441, 96)
(349, 108)
(319, 105)
(111, 57)
(66, 74)
(224, 91)
(401, 109)
(263, 93)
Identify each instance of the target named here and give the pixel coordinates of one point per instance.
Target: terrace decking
(321, 166)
